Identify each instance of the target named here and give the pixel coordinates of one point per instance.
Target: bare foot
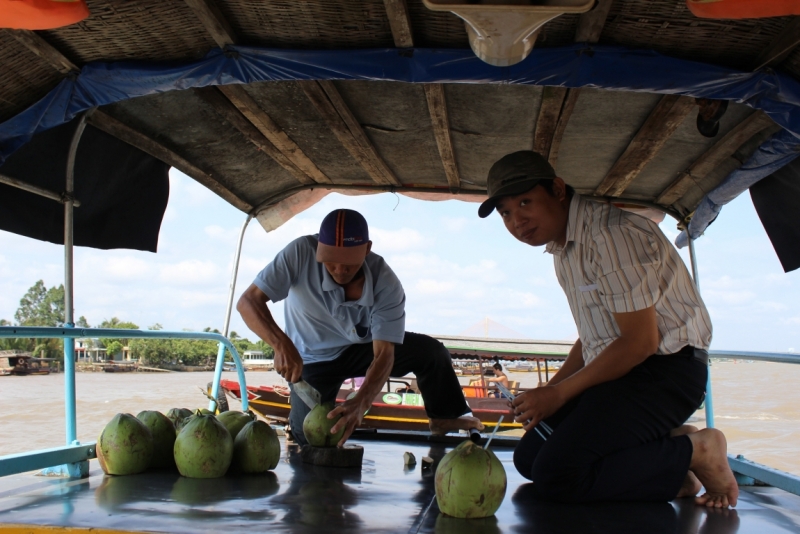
(710, 464)
(683, 430)
(691, 485)
(440, 427)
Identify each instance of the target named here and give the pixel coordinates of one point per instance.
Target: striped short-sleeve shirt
(614, 261)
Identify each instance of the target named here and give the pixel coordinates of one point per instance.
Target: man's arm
(571, 365)
(353, 410)
(638, 339)
(252, 306)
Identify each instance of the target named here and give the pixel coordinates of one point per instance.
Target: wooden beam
(125, 133)
(213, 21)
(566, 112)
(781, 46)
(214, 98)
(555, 111)
(665, 118)
(397, 11)
(44, 50)
(547, 120)
(437, 106)
(590, 24)
(328, 102)
(248, 107)
(714, 156)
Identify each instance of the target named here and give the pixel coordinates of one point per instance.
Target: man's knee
(523, 461)
(435, 350)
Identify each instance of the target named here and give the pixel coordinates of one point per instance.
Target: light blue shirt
(319, 321)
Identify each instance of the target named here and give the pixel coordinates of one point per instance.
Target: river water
(757, 405)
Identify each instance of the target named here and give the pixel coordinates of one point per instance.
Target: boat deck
(383, 497)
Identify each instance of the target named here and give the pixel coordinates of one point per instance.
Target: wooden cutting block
(347, 456)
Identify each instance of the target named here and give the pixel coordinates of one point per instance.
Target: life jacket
(41, 14)
(742, 9)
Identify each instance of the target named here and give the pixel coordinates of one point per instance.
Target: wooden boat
(391, 409)
(271, 105)
(23, 365)
(119, 368)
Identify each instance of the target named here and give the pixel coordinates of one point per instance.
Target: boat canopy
(273, 105)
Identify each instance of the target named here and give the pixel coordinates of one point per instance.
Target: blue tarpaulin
(576, 66)
(771, 156)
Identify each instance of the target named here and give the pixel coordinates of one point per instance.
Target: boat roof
(383, 496)
(272, 105)
(462, 347)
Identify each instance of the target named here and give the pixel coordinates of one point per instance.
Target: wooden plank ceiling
(253, 145)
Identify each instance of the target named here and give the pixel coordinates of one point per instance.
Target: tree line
(42, 306)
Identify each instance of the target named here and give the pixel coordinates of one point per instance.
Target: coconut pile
(199, 444)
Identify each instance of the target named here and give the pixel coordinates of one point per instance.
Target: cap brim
(516, 188)
(346, 255)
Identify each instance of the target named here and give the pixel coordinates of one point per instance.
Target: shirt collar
(574, 226)
(367, 295)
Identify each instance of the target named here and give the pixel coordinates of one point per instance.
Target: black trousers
(422, 355)
(612, 442)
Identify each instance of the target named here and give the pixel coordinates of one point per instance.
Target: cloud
(401, 240)
(429, 286)
(455, 224)
(122, 268)
(189, 272)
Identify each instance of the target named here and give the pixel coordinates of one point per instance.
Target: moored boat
(390, 410)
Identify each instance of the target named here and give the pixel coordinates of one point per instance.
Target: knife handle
(474, 435)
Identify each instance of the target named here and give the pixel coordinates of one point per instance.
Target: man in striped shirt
(609, 425)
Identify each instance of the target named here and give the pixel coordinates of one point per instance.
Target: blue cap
(343, 238)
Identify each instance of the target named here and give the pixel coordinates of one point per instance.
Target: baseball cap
(514, 174)
(343, 238)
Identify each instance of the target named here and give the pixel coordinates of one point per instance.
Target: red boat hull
(273, 403)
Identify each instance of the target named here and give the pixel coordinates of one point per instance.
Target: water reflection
(618, 518)
(693, 518)
(452, 525)
(320, 497)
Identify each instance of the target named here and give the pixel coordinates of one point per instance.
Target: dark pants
(612, 442)
(422, 355)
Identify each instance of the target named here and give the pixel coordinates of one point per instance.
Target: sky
(457, 270)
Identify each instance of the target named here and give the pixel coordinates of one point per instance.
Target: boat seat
(474, 389)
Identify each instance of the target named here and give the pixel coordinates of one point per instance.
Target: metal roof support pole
(81, 468)
(212, 404)
(709, 398)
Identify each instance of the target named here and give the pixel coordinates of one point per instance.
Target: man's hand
(253, 307)
(536, 404)
(288, 362)
(352, 412)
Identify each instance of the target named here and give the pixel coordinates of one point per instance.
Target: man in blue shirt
(345, 317)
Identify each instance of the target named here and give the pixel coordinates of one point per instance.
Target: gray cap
(514, 174)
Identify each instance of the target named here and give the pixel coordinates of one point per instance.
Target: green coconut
(163, 432)
(125, 447)
(180, 423)
(317, 426)
(203, 448)
(470, 482)
(256, 449)
(178, 414)
(234, 421)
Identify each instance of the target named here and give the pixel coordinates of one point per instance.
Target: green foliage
(41, 306)
(114, 346)
(82, 322)
(165, 352)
